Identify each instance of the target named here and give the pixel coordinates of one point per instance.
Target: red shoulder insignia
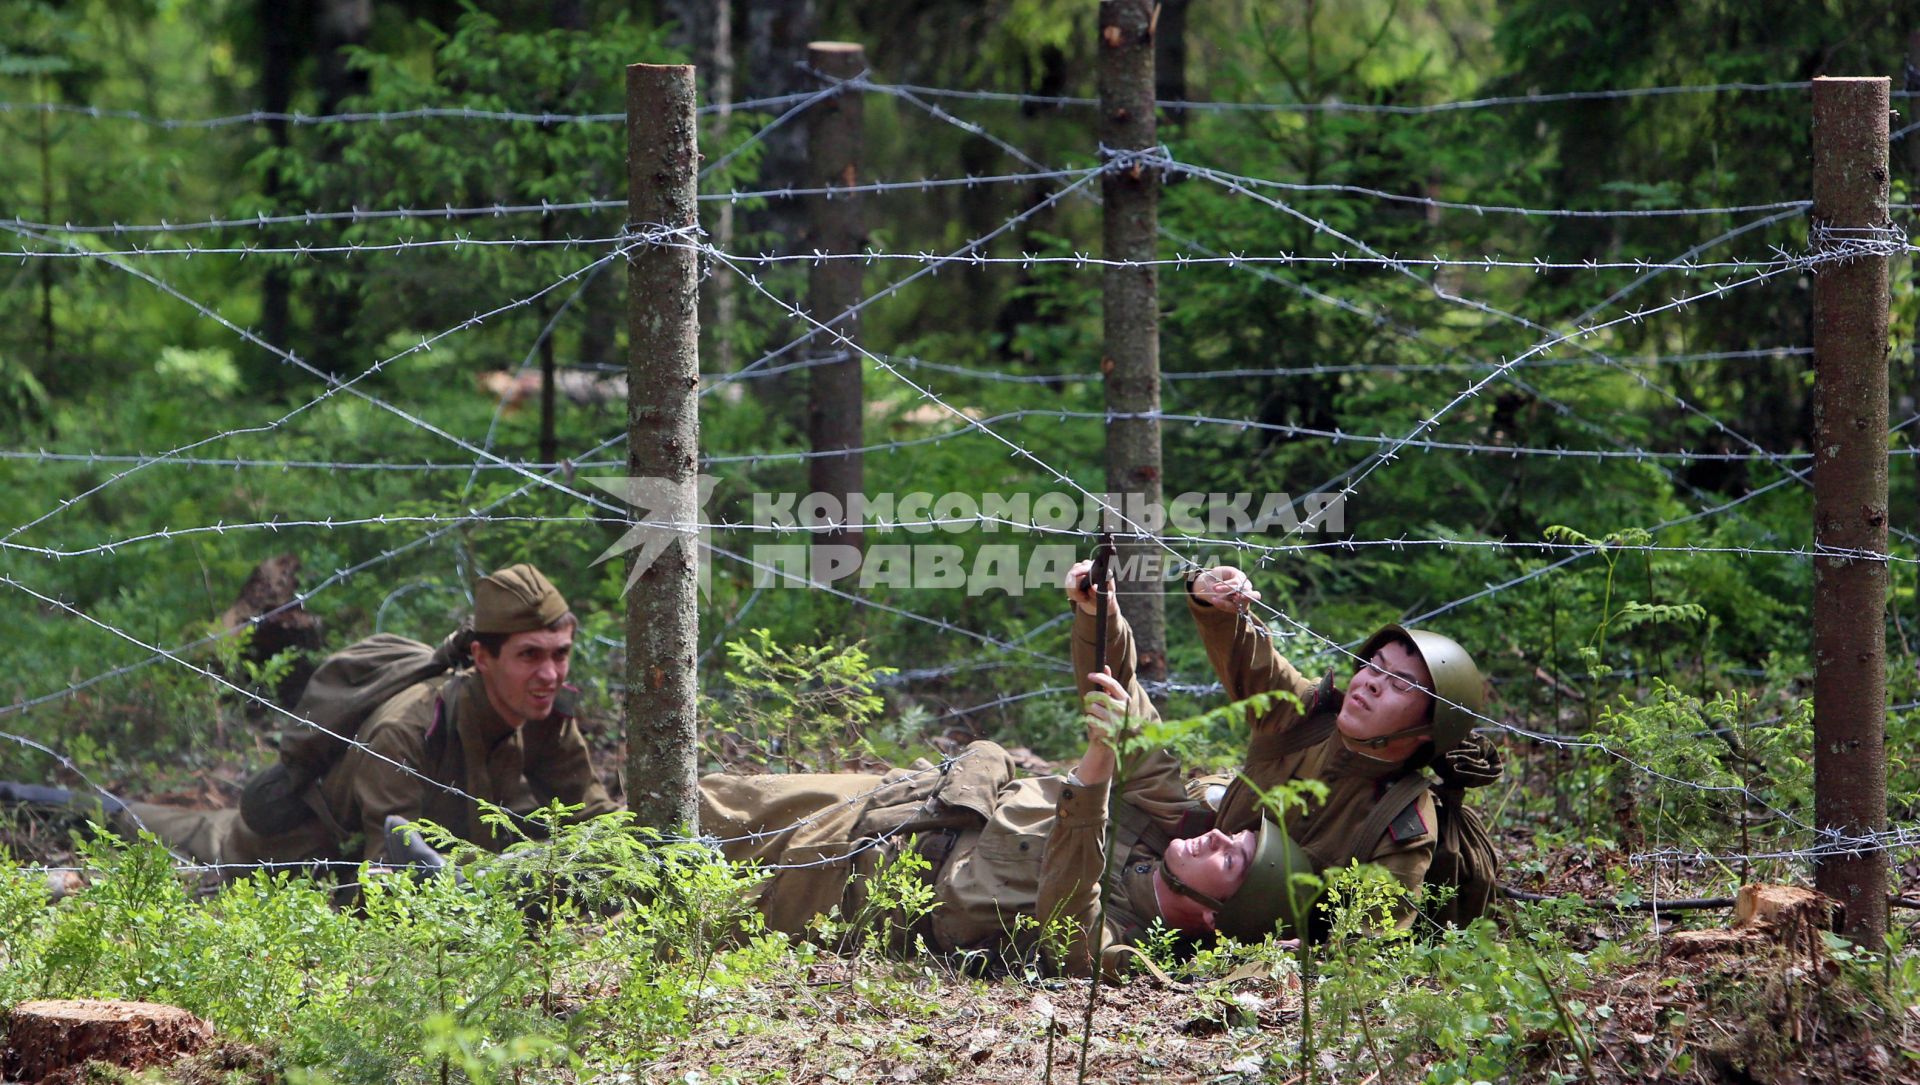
(1410, 825)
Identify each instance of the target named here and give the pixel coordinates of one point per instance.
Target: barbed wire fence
(67, 242)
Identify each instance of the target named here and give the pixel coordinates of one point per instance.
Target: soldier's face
(1215, 864)
(526, 676)
(1388, 695)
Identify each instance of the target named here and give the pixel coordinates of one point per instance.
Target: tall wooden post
(1850, 348)
(663, 447)
(835, 403)
(1911, 144)
(1131, 316)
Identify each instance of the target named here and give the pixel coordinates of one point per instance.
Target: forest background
(1691, 617)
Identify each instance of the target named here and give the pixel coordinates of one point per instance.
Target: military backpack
(1464, 860)
(346, 688)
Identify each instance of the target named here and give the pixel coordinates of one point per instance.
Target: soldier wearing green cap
(494, 728)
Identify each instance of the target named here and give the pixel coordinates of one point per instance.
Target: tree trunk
(776, 41)
(1130, 317)
(1850, 187)
(663, 452)
(337, 25)
(706, 31)
(724, 289)
(1911, 141)
(269, 601)
(1170, 57)
(835, 403)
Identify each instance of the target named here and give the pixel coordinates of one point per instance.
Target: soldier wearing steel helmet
(1410, 704)
(1007, 857)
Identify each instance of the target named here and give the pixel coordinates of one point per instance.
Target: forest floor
(1626, 1009)
(1732, 1020)
(1761, 1015)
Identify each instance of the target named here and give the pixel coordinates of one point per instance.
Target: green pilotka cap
(516, 599)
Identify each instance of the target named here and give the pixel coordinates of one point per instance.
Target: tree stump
(46, 1038)
(273, 585)
(1765, 915)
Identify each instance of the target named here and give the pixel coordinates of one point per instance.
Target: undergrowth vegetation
(600, 954)
(1616, 526)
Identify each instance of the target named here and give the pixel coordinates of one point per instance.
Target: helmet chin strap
(1380, 742)
(1174, 883)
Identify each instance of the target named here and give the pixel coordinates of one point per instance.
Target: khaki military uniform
(1247, 663)
(1009, 856)
(517, 769)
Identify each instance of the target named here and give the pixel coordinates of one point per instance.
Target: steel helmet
(1269, 901)
(1460, 691)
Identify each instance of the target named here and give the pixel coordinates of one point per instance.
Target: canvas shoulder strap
(1317, 726)
(1310, 733)
(1404, 792)
(1139, 826)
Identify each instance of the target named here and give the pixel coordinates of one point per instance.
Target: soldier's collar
(475, 710)
(1345, 761)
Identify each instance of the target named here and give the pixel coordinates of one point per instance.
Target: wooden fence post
(663, 445)
(1130, 316)
(835, 404)
(1850, 346)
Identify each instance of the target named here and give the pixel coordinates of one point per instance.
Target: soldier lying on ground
(1016, 864)
(493, 729)
(1368, 743)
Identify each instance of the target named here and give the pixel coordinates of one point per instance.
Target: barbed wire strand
(545, 208)
(1181, 261)
(1120, 160)
(299, 599)
(1336, 106)
(950, 524)
(461, 568)
(550, 118)
(1830, 250)
(349, 249)
(334, 384)
(1020, 156)
(1045, 202)
(232, 687)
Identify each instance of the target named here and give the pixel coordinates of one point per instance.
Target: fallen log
(50, 1041)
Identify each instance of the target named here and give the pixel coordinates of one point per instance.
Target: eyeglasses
(1399, 683)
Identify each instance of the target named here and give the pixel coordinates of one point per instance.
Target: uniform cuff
(1206, 613)
(1082, 803)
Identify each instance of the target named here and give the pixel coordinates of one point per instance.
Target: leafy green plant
(896, 898)
(1630, 613)
(796, 708)
(1703, 771)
